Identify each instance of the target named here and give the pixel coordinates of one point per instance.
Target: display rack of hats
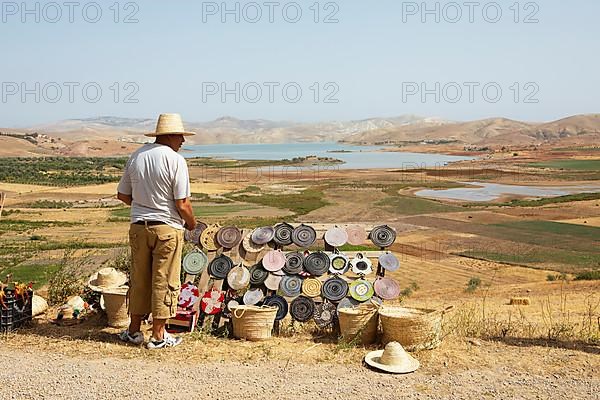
(274, 266)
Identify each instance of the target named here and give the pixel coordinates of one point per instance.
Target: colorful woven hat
(208, 238)
(195, 262)
(258, 275)
(263, 235)
(389, 262)
(212, 302)
(311, 287)
(290, 286)
(253, 296)
(316, 263)
(339, 263)
(283, 234)
(229, 237)
(194, 236)
(383, 236)
(274, 260)
(302, 309)
(220, 267)
(238, 278)
(356, 234)
(304, 236)
(336, 237)
(324, 314)
(393, 359)
(334, 289)
(280, 303)
(251, 247)
(294, 263)
(188, 296)
(361, 290)
(361, 265)
(272, 282)
(387, 288)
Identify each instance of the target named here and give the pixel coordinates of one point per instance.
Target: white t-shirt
(155, 176)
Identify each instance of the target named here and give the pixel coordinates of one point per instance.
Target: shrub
(68, 279)
(473, 284)
(588, 276)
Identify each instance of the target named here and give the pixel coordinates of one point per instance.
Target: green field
(405, 205)
(61, 171)
(299, 203)
(576, 165)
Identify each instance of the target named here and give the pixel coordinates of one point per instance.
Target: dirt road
(35, 374)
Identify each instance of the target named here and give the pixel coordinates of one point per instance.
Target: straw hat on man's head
(169, 124)
(393, 359)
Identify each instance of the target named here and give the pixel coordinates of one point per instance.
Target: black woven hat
(283, 234)
(258, 275)
(383, 236)
(294, 263)
(334, 289)
(317, 263)
(220, 267)
(304, 236)
(302, 309)
(280, 303)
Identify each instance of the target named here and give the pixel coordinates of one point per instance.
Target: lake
(355, 157)
(493, 191)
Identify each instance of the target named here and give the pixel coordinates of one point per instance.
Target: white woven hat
(169, 124)
(393, 359)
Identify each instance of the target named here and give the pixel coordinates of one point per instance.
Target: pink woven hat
(387, 288)
(356, 234)
(274, 260)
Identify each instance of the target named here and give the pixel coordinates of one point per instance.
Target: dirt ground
(548, 349)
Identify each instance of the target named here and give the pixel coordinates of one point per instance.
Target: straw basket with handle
(414, 328)
(359, 324)
(253, 323)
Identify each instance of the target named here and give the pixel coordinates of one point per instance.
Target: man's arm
(125, 198)
(187, 212)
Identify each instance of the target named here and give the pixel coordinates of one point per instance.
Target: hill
(493, 131)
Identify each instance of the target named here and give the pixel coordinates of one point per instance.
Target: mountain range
(93, 136)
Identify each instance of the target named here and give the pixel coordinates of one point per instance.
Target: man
(157, 186)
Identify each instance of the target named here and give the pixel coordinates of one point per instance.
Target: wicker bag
(253, 323)
(414, 328)
(358, 324)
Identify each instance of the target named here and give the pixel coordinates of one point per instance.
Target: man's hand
(125, 198)
(186, 212)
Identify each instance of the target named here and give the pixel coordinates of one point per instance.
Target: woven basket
(414, 328)
(253, 323)
(116, 308)
(358, 324)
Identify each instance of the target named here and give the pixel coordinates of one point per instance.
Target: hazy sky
(376, 60)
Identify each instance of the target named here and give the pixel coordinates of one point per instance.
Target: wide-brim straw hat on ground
(169, 124)
(393, 359)
(105, 279)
